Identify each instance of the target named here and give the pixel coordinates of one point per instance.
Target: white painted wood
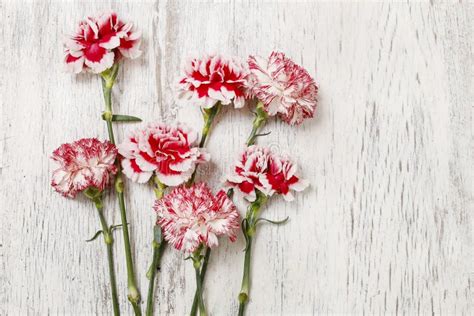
(387, 226)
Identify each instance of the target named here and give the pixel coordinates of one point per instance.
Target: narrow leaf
(263, 134)
(125, 118)
(114, 227)
(95, 236)
(272, 222)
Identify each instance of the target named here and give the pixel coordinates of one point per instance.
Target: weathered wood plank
(387, 225)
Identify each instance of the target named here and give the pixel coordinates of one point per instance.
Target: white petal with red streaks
(105, 63)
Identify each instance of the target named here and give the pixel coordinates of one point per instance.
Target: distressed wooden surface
(387, 226)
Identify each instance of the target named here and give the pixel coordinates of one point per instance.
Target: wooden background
(387, 225)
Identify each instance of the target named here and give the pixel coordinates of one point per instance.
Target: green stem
(202, 308)
(203, 275)
(260, 119)
(108, 239)
(249, 231)
(108, 80)
(159, 245)
(244, 290)
(157, 254)
(133, 294)
(209, 115)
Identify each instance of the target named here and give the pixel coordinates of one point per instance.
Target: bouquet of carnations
(189, 216)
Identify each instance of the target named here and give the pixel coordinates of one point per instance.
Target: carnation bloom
(193, 216)
(211, 79)
(99, 42)
(260, 169)
(85, 163)
(247, 171)
(283, 87)
(168, 151)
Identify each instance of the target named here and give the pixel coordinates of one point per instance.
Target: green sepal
(92, 193)
(109, 75)
(95, 236)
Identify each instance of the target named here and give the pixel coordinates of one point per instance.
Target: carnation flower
(99, 42)
(281, 177)
(260, 169)
(193, 216)
(252, 164)
(168, 151)
(211, 79)
(85, 163)
(283, 87)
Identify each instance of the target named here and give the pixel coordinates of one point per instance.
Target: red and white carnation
(213, 78)
(85, 163)
(193, 216)
(283, 87)
(281, 178)
(248, 170)
(260, 169)
(99, 42)
(170, 152)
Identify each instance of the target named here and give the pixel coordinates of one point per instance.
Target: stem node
(107, 116)
(243, 297)
(119, 186)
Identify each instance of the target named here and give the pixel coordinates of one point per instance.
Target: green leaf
(114, 227)
(273, 222)
(125, 118)
(263, 134)
(95, 236)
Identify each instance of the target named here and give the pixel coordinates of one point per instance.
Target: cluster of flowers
(284, 88)
(191, 217)
(258, 169)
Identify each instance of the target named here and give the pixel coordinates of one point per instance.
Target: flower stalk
(259, 121)
(249, 226)
(96, 197)
(108, 80)
(197, 258)
(158, 245)
(208, 115)
(158, 249)
(202, 275)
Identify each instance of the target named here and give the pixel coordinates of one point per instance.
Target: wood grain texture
(387, 225)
